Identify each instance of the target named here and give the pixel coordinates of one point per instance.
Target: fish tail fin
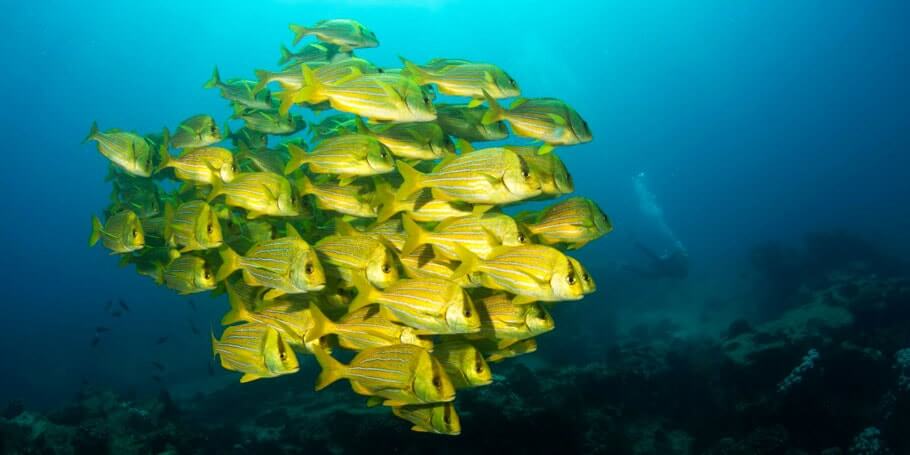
(230, 263)
(286, 55)
(159, 273)
(469, 262)
(413, 180)
(332, 370)
(494, 111)
(97, 227)
(164, 158)
(305, 185)
(217, 189)
(298, 157)
(311, 85)
(263, 77)
(322, 325)
(169, 212)
(365, 292)
(238, 311)
(91, 133)
(385, 202)
(417, 73)
(299, 32)
(214, 81)
(214, 342)
(416, 235)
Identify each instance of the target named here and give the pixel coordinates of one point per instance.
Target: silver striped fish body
(204, 165)
(463, 363)
(291, 317)
(466, 123)
(195, 226)
(288, 264)
(536, 118)
(126, 150)
(271, 122)
(350, 154)
(354, 200)
(480, 234)
(196, 131)
(261, 193)
(385, 97)
(241, 348)
(346, 254)
(536, 271)
(154, 227)
(343, 68)
(347, 34)
(482, 177)
(189, 275)
(418, 141)
(310, 53)
(242, 91)
(123, 233)
(576, 220)
(424, 262)
(431, 305)
(472, 79)
(439, 418)
(502, 319)
(385, 369)
(554, 178)
(367, 328)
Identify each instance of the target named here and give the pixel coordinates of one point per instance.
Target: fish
(532, 272)
(502, 319)
(188, 275)
(424, 262)
(334, 125)
(466, 79)
(420, 206)
(347, 34)
(203, 165)
(379, 97)
(161, 340)
(588, 286)
(193, 328)
(412, 140)
(574, 221)
(363, 329)
(240, 91)
(292, 318)
(466, 122)
(252, 140)
(439, 418)
(388, 232)
(262, 160)
(158, 365)
(349, 255)
(128, 151)
(195, 227)
(463, 363)
(309, 53)
(269, 121)
(259, 193)
(353, 200)
(286, 265)
(555, 179)
(196, 131)
(498, 351)
(256, 350)
(95, 341)
(547, 119)
(480, 234)
(347, 156)
(123, 305)
(429, 305)
(400, 374)
(121, 233)
(291, 79)
(487, 176)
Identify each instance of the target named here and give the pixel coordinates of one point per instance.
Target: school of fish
(355, 209)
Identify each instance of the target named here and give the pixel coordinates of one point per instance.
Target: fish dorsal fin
(464, 146)
(292, 232)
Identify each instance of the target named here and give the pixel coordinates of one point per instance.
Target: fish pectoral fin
(523, 300)
(440, 195)
(359, 389)
(419, 429)
(392, 94)
(273, 294)
(475, 102)
(394, 403)
(578, 245)
(374, 401)
(345, 180)
(249, 377)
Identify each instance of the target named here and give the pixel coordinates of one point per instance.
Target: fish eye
(209, 228)
(478, 367)
(135, 233)
(308, 269)
(283, 355)
(214, 129)
(383, 154)
(570, 278)
(447, 419)
(386, 268)
(437, 382)
(512, 81)
(426, 100)
(207, 274)
(380, 70)
(467, 312)
(233, 168)
(542, 316)
(522, 238)
(525, 174)
(586, 277)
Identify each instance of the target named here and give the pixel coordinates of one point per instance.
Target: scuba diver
(672, 263)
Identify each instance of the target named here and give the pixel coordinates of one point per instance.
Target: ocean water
(720, 126)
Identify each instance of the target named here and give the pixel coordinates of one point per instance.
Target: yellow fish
(574, 221)
(463, 363)
(423, 262)
(128, 151)
(347, 34)
(416, 141)
(466, 122)
(311, 52)
(350, 255)
(122, 233)
(466, 79)
(488, 176)
(477, 233)
(195, 227)
(259, 193)
(439, 418)
(420, 206)
(401, 374)
(353, 200)
(290, 317)
(432, 306)
(255, 350)
(240, 91)
(363, 329)
(502, 319)
(196, 131)
(202, 165)
(287, 265)
(497, 351)
(188, 275)
(347, 156)
(532, 272)
(555, 179)
(547, 119)
(588, 285)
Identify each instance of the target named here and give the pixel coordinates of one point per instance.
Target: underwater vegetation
(372, 235)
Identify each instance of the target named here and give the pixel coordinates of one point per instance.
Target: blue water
(753, 120)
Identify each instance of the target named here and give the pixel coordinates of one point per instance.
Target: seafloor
(826, 370)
